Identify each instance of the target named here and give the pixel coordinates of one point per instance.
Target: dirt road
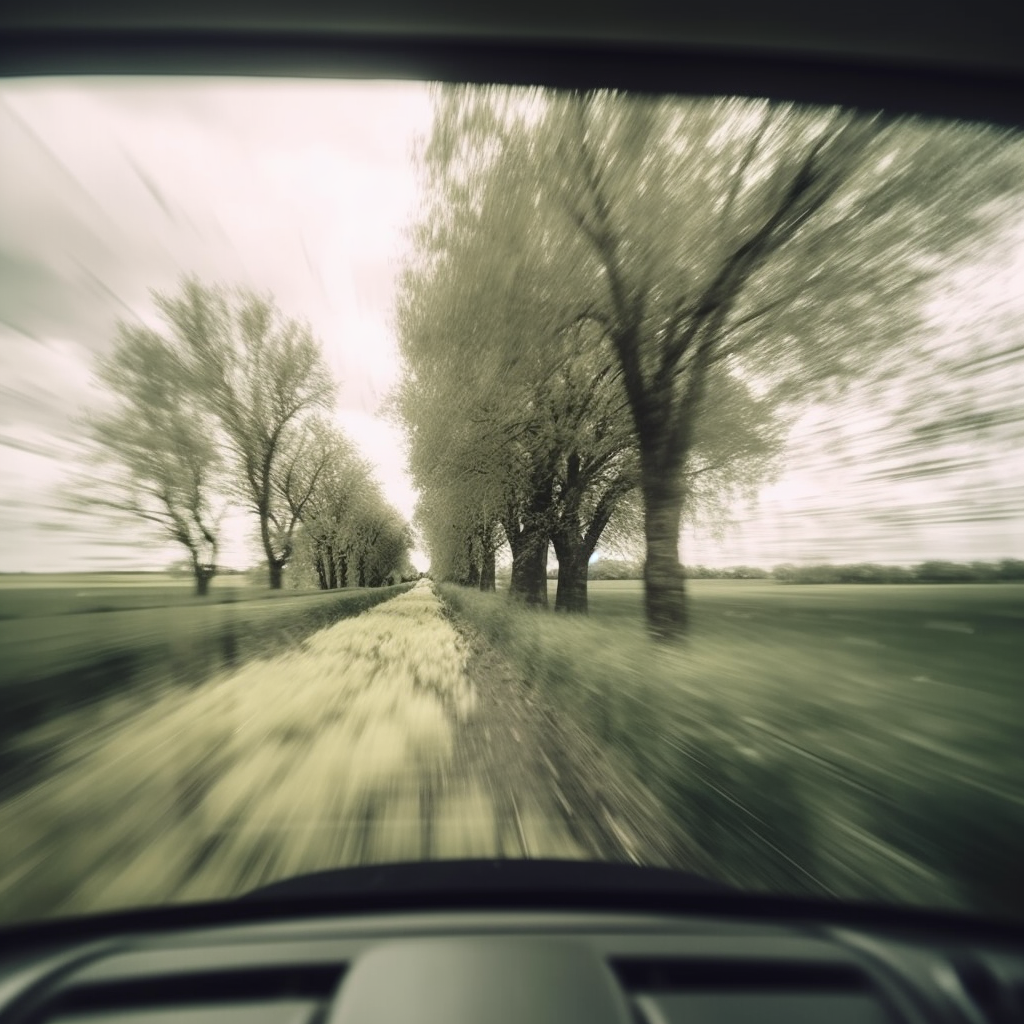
(392, 736)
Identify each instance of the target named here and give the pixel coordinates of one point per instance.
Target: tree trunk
(273, 564)
(472, 566)
(529, 582)
(332, 573)
(275, 569)
(573, 562)
(664, 582)
(321, 574)
(362, 571)
(203, 571)
(343, 571)
(487, 571)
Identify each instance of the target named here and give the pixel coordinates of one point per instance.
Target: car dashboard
(505, 966)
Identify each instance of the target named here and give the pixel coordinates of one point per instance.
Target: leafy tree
(615, 569)
(474, 427)
(462, 537)
(261, 374)
(153, 456)
(349, 534)
(938, 571)
(747, 572)
(959, 419)
(319, 482)
(1011, 569)
(790, 245)
(531, 428)
(934, 571)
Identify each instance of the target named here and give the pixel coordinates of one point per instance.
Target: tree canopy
(227, 407)
(152, 456)
(617, 298)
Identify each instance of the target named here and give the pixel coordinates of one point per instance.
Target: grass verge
(794, 764)
(310, 759)
(56, 665)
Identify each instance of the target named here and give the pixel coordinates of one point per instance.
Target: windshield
(397, 472)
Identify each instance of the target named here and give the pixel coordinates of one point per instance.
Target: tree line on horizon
(229, 406)
(1006, 570)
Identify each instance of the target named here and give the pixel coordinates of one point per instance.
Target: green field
(70, 641)
(860, 741)
(955, 634)
(60, 624)
(857, 740)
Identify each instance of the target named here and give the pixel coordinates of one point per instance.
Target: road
(392, 736)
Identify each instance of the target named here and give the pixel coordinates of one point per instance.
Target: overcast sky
(111, 188)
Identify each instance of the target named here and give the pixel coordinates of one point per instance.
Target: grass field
(60, 624)
(856, 740)
(969, 634)
(208, 792)
(69, 641)
(860, 741)
(24, 595)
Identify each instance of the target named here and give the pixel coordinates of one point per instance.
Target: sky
(109, 190)
(112, 188)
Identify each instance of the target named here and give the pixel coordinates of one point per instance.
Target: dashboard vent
(998, 1000)
(748, 991)
(694, 975)
(292, 994)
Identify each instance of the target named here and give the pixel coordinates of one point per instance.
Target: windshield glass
(397, 472)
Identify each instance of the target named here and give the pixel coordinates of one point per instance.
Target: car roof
(985, 35)
(928, 55)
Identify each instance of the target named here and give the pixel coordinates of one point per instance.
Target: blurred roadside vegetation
(1007, 570)
(854, 742)
(936, 570)
(69, 648)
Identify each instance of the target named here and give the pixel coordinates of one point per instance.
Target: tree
(615, 569)
(312, 478)
(508, 384)
(791, 246)
(262, 374)
(593, 451)
(463, 538)
(348, 532)
(153, 456)
(469, 410)
(954, 423)
(527, 432)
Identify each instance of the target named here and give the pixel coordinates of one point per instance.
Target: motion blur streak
(253, 771)
(702, 415)
(306, 761)
(850, 740)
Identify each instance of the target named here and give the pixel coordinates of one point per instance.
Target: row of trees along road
(616, 304)
(226, 407)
